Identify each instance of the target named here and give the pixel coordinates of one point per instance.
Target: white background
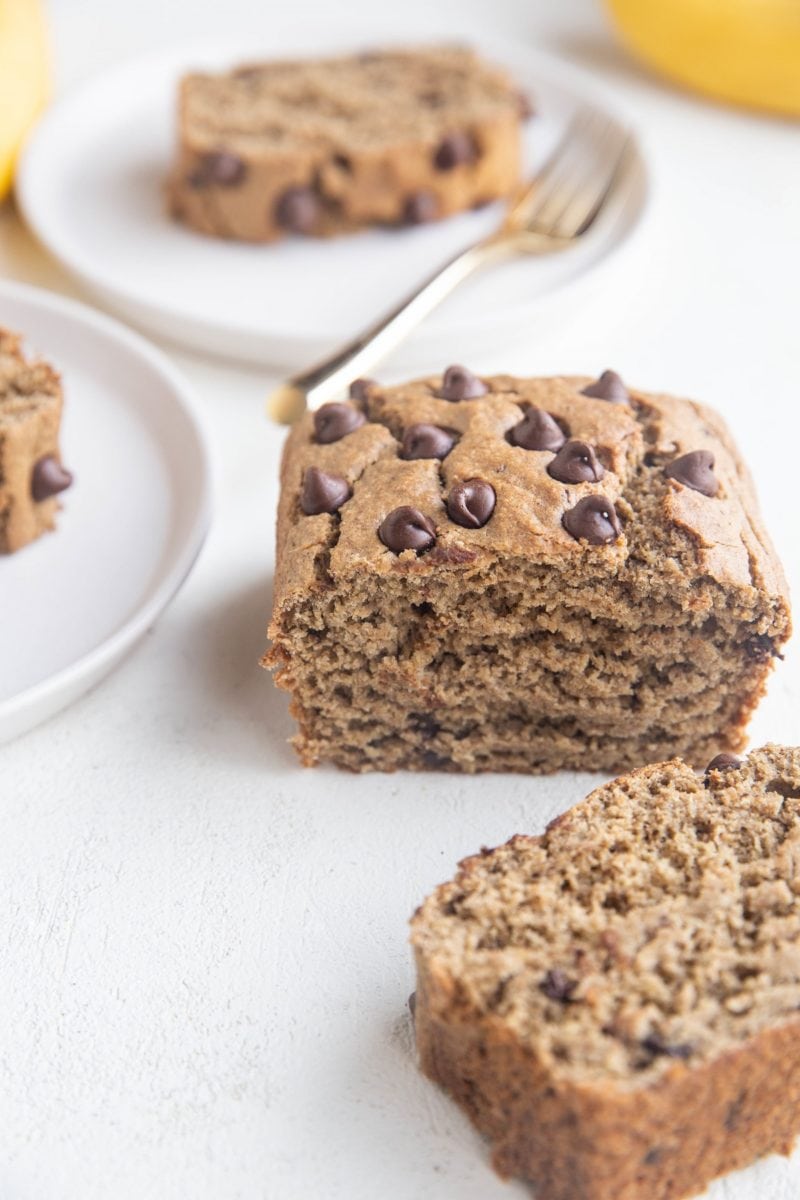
(203, 962)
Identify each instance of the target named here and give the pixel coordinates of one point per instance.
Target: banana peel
(24, 78)
(744, 52)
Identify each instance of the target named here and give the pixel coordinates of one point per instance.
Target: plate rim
(190, 329)
(89, 668)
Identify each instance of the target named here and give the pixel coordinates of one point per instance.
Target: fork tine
(589, 195)
(535, 193)
(615, 179)
(548, 202)
(575, 168)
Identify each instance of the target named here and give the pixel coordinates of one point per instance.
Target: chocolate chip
(335, 421)
(432, 99)
(425, 724)
(436, 762)
(427, 441)
(471, 503)
(695, 470)
(724, 762)
(458, 383)
(420, 207)
(593, 519)
(608, 387)
(297, 209)
(761, 648)
(557, 985)
(249, 71)
(226, 169)
(322, 492)
(412, 1005)
(455, 150)
(49, 478)
(343, 163)
(656, 1045)
(406, 528)
(537, 431)
(734, 1113)
(576, 462)
(525, 106)
(221, 168)
(359, 389)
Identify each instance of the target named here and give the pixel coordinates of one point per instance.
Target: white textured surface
(203, 967)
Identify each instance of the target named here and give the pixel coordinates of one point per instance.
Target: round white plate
(131, 526)
(90, 187)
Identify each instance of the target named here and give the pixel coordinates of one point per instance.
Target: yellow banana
(743, 51)
(24, 78)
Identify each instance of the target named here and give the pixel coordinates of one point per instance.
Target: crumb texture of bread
(319, 147)
(30, 419)
(511, 644)
(616, 1004)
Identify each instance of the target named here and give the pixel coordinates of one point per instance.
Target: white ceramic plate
(90, 187)
(131, 526)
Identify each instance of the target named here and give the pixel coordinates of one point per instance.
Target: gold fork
(547, 214)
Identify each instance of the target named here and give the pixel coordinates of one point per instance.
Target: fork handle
(330, 378)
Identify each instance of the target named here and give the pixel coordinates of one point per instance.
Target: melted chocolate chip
(608, 387)
(656, 1045)
(49, 478)
(455, 150)
(695, 470)
(420, 207)
(471, 503)
(576, 462)
(335, 421)
(359, 389)
(557, 985)
(537, 431)
(458, 383)
(724, 762)
(322, 492)
(221, 168)
(593, 519)
(412, 1005)
(427, 441)
(297, 209)
(406, 528)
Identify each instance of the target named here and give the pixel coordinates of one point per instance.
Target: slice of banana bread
(31, 474)
(615, 1003)
(324, 146)
(520, 575)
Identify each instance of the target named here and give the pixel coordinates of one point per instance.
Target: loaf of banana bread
(31, 474)
(325, 146)
(616, 1004)
(520, 575)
